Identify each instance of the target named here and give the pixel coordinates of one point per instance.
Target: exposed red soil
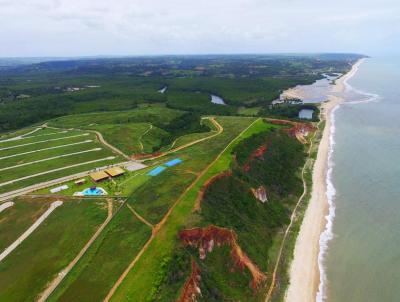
(298, 130)
(145, 155)
(206, 185)
(206, 238)
(191, 288)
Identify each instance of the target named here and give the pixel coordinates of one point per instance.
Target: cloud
(86, 27)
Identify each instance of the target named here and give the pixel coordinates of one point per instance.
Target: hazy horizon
(59, 28)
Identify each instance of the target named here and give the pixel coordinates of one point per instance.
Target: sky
(31, 28)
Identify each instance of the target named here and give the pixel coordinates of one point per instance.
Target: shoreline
(304, 272)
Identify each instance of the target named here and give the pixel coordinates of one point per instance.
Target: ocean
(362, 257)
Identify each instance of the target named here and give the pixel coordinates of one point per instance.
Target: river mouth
(217, 100)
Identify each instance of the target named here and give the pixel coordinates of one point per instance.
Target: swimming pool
(94, 192)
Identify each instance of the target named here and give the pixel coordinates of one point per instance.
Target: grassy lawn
(141, 278)
(18, 218)
(144, 114)
(111, 253)
(26, 271)
(153, 199)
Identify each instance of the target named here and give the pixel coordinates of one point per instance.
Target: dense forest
(229, 204)
(33, 93)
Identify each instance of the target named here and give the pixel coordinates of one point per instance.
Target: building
(115, 171)
(99, 176)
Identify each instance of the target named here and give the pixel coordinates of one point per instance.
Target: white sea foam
(328, 234)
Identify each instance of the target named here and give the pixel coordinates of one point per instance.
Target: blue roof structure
(156, 171)
(173, 162)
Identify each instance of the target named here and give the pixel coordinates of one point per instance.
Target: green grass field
(141, 278)
(16, 219)
(26, 271)
(111, 253)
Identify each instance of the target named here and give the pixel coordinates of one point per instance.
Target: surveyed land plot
(26, 271)
(46, 156)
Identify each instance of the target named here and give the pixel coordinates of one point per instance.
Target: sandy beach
(304, 269)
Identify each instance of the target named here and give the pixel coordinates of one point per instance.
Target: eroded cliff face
(298, 130)
(191, 288)
(206, 239)
(206, 185)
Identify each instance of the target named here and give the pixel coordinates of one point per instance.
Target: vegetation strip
(44, 149)
(140, 217)
(292, 218)
(44, 141)
(6, 205)
(47, 292)
(29, 231)
(55, 170)
(50, 158)
(165, 218)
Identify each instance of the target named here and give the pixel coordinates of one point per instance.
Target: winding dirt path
(143, 134)
(166, 216)
(104, 142)
(140, 217)
(217, 125)
(53, 284)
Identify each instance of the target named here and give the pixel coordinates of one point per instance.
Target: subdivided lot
(46, 156)
(154, 198)
(32, 265)
(110, 254)
(16, 219)
(141, 280)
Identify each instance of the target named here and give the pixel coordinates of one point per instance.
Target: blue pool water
(92, 192)
(173, 162)
(156, 171)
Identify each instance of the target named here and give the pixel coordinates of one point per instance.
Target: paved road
(49, 290)
(29, 231)
(43, 141)
(44, 149)
(6, 205)
(32, 188)
(54, 170)
(50, 158)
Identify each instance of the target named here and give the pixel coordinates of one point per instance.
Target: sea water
(362, 257)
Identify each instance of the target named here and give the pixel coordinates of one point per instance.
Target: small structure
(115, 171)
(99, 176)
(173, 162)
(58, 189)
(156, 171)
(80, 181)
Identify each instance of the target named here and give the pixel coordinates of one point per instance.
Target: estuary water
(362, 261)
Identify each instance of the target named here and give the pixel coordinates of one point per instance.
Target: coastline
(315, 230)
